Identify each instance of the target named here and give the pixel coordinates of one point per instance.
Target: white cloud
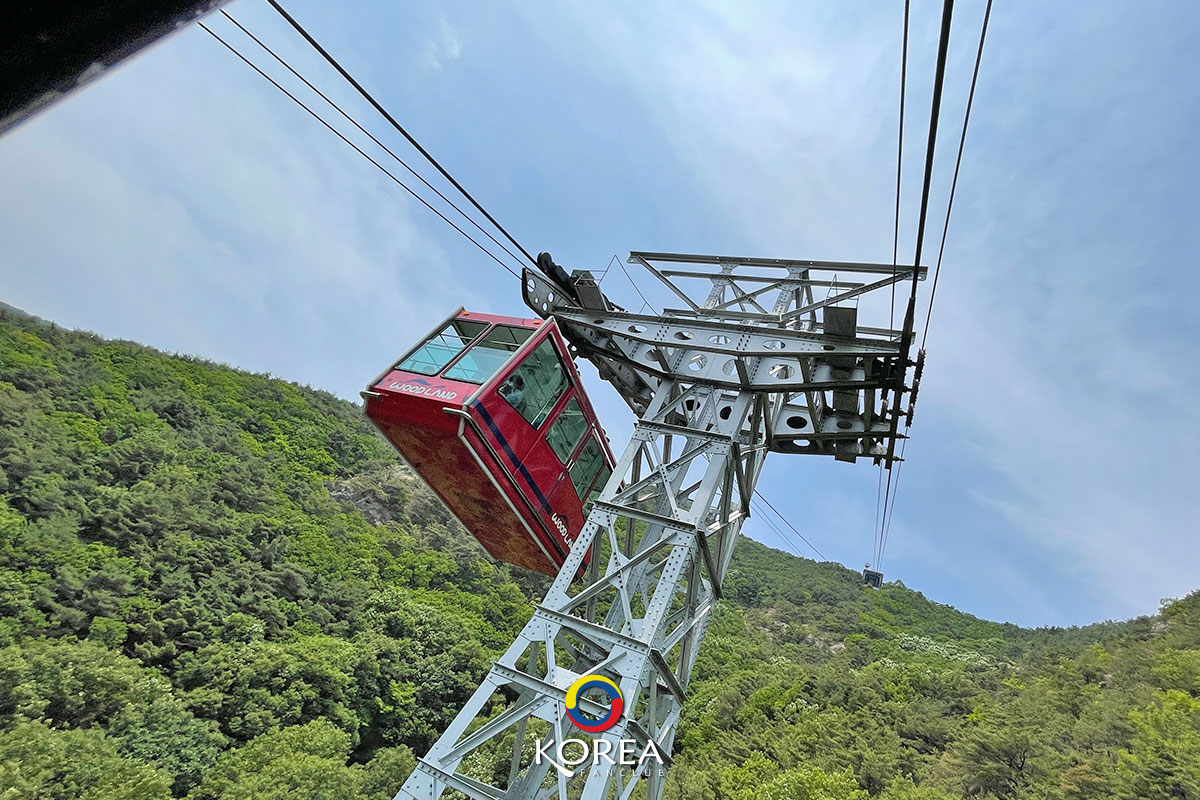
(1084, 428)
(443, 47)
(787, 125)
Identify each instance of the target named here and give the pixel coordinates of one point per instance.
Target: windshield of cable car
(440, 349)
(488, 354)
(536, 385)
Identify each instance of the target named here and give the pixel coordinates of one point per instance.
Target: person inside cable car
(513, 390)
(542, 382)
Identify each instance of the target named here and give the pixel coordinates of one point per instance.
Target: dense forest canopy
(219, 585)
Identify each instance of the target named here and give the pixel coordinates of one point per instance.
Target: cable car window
(537, 384)
(488, 354)
(597, 488)
(440, 349)
(583, 471)
(567, 430)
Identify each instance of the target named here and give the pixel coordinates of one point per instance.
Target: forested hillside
(222, 586)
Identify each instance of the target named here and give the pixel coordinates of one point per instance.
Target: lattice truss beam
(716, 386)
(768, 325)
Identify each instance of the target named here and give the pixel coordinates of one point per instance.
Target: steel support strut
(716, 386)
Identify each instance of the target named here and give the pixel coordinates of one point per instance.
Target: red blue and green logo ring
(584, 684)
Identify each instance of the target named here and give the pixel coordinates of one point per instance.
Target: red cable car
(491, 413)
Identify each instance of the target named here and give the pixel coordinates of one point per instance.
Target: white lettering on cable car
(431, 391)
(560, 522)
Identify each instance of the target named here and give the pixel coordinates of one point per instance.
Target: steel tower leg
(665, 526)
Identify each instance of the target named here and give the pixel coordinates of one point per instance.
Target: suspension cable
(878, 537)
(368, 134)
(367, 95)
(937, 270)
(785, 540)
(762, 497)
(934, 111)
(360, 151)
(987, 13)
(878, 527)
(930, 147)
(899, 163)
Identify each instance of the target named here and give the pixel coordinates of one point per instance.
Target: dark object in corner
(47, 50)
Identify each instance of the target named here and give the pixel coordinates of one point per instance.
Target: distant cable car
(872, 578)
(491, 413)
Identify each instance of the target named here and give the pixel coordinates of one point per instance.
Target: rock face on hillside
(215, 584)
(380, 497)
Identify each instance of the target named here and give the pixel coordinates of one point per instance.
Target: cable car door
(575, 443)
(564, 436)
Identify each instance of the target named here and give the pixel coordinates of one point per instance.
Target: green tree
(386, 772)
(905, 789)
(40, 763)
(307, 761)
(758, 778)
(1163, 762)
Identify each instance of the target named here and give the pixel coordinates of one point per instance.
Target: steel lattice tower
(772, 359)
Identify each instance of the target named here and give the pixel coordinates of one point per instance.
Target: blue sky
(182, 202)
